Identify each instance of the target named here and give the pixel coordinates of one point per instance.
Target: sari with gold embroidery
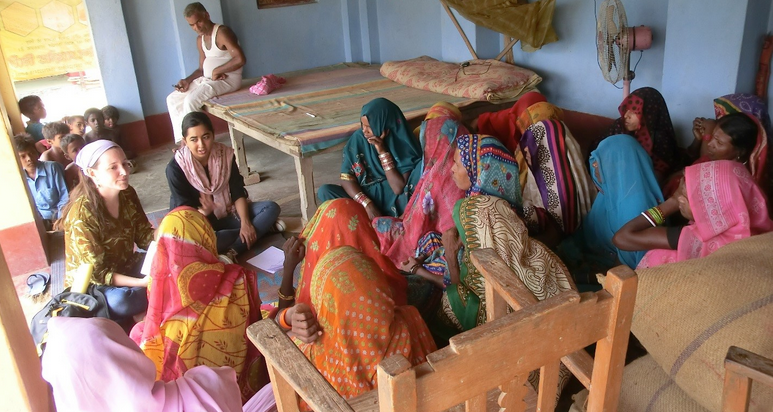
(361, 323)
(343, 222)
(199, 308)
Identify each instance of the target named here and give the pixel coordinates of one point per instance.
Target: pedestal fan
(615, 41)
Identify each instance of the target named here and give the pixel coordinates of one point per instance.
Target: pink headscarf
(727, 205)
(219, 167)
(93, 366)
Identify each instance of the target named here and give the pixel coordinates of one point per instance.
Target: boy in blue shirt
(44, 179)
(33, 108)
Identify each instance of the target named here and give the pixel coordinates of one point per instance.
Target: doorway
(49, 52)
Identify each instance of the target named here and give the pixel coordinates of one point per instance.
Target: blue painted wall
(287, 38)
(690, 63)
(408, 29)
(115, 63)
(154, 48)
(571, 74)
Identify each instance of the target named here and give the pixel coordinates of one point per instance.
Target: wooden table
(315, 112)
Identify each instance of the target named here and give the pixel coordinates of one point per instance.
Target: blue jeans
(123, 302)
(263, 215)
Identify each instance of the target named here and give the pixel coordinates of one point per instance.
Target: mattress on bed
(483, 79)
(319, 108)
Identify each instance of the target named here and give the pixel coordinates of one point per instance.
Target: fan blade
(611, 26)
(611, 53)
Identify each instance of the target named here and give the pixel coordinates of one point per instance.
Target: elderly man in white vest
(220, 67)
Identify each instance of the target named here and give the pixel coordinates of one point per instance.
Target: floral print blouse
(110, 248)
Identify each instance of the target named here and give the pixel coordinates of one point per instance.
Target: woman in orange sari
(349, 312)
(199, 308)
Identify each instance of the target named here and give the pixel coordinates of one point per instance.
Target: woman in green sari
(382, 162)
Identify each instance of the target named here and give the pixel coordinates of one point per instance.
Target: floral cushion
(490, 80)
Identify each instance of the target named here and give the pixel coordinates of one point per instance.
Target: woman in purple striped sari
(555, 161)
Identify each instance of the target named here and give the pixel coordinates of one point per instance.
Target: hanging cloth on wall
(530, 22)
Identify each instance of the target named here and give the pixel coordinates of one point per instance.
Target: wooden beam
(298, 375)
(396, 385)
(610, 351)
(565, 324)
(506, 286)
(507, 48)
(461, 31)
(21, 379)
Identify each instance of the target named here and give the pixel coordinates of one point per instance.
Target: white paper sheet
(270, 260)
(145, 270)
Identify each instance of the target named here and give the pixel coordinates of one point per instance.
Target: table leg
(304, 168)
(237, 142)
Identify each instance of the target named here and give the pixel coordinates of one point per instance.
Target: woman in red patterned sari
(350, 307)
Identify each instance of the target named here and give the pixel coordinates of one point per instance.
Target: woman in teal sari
(382, 162)
(623, 172)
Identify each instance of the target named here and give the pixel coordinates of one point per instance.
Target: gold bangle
(286, 297)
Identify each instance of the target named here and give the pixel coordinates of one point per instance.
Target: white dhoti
(200, 90)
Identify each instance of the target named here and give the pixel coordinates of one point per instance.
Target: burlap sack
(646, 388)
(688, 314)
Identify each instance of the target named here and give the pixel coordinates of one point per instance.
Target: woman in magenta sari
(431, 206)
(722, 203)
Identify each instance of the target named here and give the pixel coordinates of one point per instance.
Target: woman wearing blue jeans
(103, 223)
(203, 174)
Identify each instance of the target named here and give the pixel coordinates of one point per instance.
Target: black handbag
(69, 304)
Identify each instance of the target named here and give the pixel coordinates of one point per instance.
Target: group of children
(47, 151)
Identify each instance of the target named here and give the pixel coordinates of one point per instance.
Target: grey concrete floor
(278, 181)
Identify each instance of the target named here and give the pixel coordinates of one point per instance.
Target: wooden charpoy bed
(315, 112)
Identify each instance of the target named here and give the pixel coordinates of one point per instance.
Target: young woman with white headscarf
(103, 221)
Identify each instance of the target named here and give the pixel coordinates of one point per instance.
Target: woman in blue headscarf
(382, 162)
(623, 172)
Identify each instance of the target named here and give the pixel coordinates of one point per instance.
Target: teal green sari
(361, 159)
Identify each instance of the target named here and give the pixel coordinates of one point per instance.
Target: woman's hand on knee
(247, 234)
(304, 323)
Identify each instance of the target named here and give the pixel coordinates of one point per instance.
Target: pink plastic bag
(267, 84)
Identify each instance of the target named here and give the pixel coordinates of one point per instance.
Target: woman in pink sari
(432, 204)
(199, 308)
(93, 366)
(719, 198)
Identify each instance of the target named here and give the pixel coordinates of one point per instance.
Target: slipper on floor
(37, 283)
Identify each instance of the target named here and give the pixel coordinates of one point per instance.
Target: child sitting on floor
(71, 144)
(33, 108)
(111, 116)
(96, 121)
(44, 179)
(53, 133)
(77, 124)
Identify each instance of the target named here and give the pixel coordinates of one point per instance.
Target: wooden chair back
(496, 357)
(741, 367)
